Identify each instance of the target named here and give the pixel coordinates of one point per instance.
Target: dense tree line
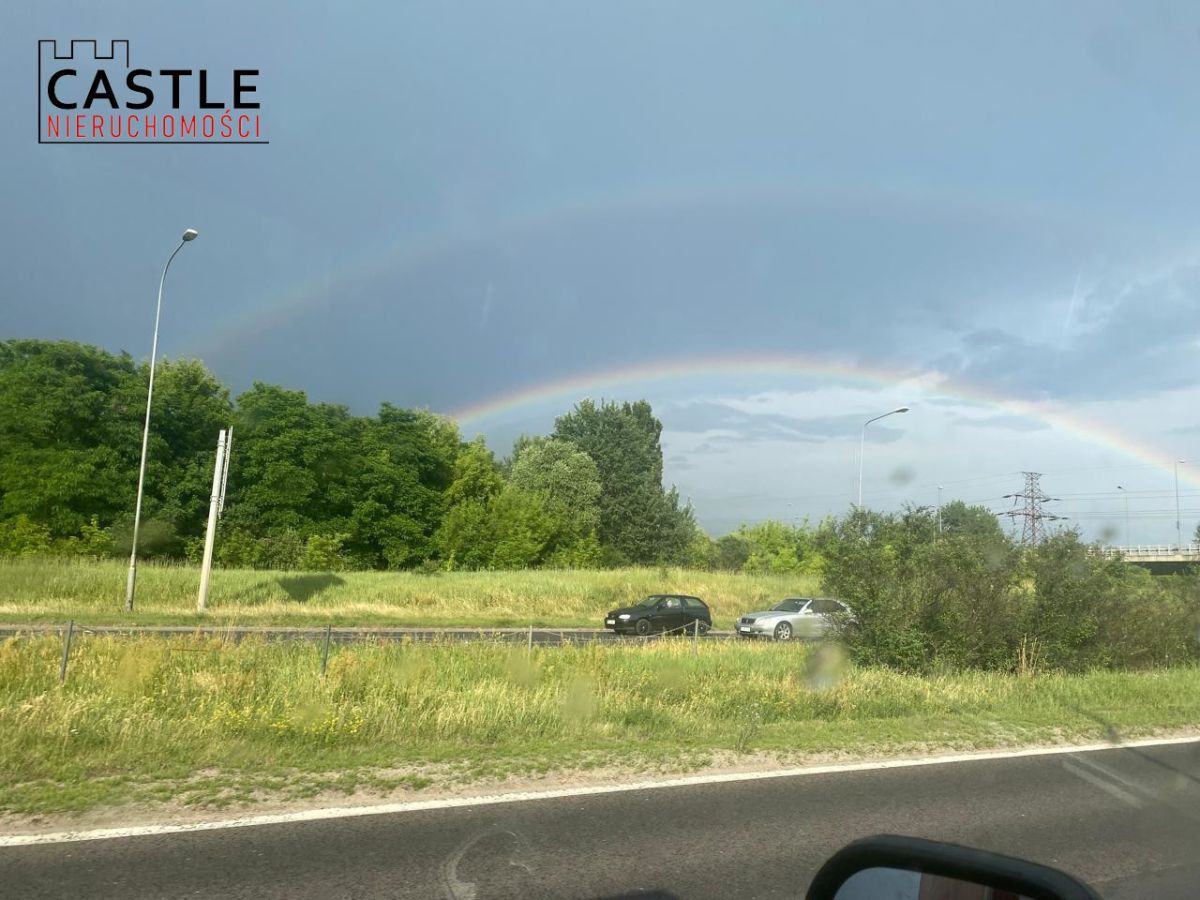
(311, 484)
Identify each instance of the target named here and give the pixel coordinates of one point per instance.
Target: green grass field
(40, 590)
(202, 722)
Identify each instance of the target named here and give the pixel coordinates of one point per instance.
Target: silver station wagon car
(808, 618)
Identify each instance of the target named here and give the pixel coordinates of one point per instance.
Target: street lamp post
(188, 235)
(862, 445)
(1178, 525)
(1125, 492)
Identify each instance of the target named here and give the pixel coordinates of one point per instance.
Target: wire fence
(330, 638)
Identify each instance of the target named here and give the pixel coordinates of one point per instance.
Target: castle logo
(89, 94)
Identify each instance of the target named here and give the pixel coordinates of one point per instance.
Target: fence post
(325, 653)
(62, 667)
(695, 635)
(529, 645)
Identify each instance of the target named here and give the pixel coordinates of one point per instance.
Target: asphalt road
(1127, 820)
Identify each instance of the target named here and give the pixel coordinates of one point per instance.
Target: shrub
(971, 598)
(239, 549)
(22, 536)
(323, 553)
(92, 541)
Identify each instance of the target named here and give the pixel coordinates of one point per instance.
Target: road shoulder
(168, 817)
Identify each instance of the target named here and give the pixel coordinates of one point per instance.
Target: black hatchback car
(661, 612)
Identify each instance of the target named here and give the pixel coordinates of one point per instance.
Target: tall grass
(153, 717)
(40, 590)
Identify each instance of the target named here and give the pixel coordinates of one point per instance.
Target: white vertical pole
(211, 535)
(225, 471)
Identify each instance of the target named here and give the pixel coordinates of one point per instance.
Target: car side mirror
(889, 867)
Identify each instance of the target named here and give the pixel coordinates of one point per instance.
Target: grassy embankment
(200, 722)
(93, 593)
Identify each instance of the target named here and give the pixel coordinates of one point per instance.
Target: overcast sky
(461, 201)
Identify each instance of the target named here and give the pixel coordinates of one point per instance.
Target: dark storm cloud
(1126, 342)
(701, 179)
(634, 285)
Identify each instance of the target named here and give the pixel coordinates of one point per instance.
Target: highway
(1127, 820)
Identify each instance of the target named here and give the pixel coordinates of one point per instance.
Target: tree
(284, 454)
(919, 600)
(521, 529)
(404, 468)
(732, 552)
(568, 484)
(701, 551)
(465, 539)
(190, 409)
(60, 412)
(21, 537)
(777, 547)
(71, 419)
(959, 518)
(639, 522)
(509, 530)
(476, 475)
(306, 469)
(1073, 595)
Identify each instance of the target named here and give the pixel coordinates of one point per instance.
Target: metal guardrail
(530, 635)
(328, 635)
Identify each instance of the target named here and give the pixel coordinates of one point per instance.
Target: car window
(512, 310)
(824, 606)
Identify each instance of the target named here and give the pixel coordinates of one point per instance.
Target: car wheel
(642, 627)
(783, 632)
(703, 628)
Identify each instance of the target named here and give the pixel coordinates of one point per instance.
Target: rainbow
(397, 255)
(594, 383)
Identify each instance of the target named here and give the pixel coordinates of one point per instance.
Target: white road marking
(1180, 799)
(347, 812)
(1104, 785)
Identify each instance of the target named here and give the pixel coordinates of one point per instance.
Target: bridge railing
(1150, 552)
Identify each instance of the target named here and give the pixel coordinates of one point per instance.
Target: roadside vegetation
(960, 637)
(968, 597)
(35, 590)
(203, 722)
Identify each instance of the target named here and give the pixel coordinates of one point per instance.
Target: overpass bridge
(1161, 559)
